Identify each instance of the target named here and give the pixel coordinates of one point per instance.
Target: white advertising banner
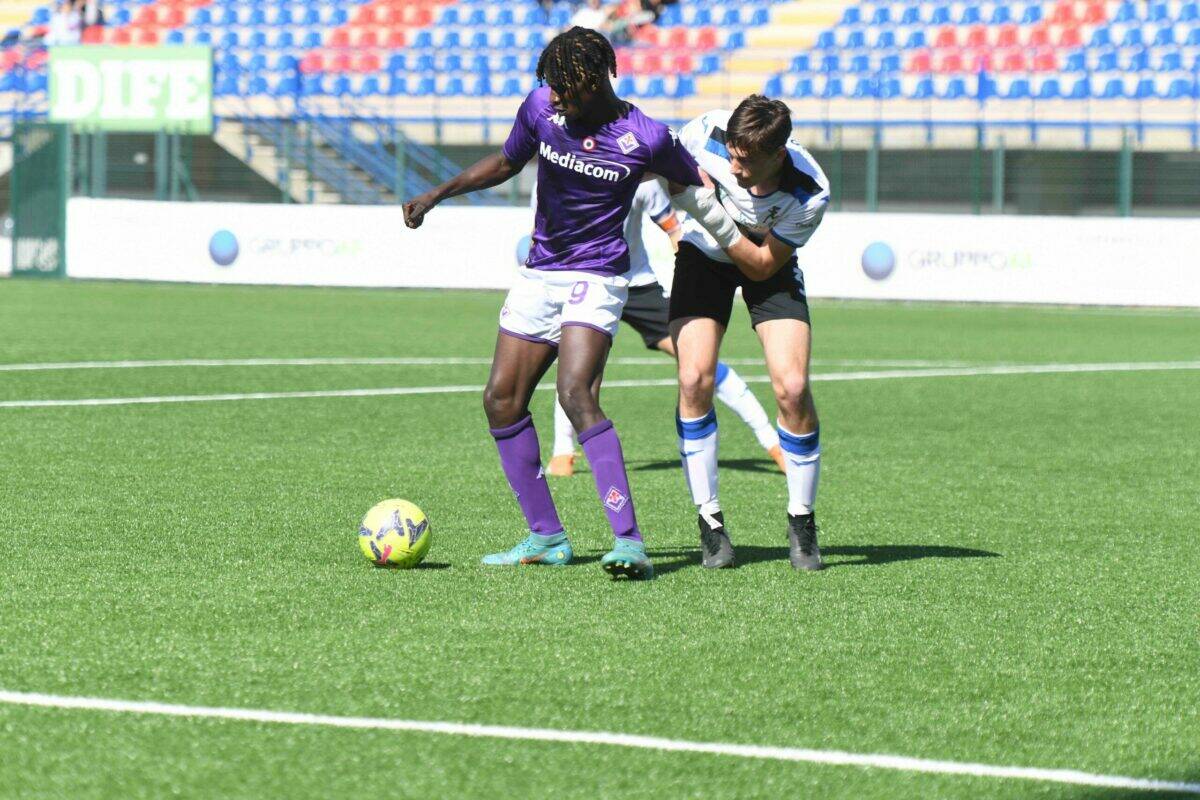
(457, 247)
(1075, 260)
(883, 256)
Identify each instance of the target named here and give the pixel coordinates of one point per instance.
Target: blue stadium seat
(1031, 15)
(882, 16)
(923, 90)
(397, 85)
(535, 41)
(202, 17)
(534, 15)
(508, 63)
(1082, 89)
(1001, 15)
(228, 17)
(425, 87)
(258, 39)
(423, 40)
(284, 40)
(453, 87)
(449, 16)
(1189, 12)
(123, 16)
(1193, 38)
(916, 40)
(341, 86)
(825, 41)
(504, 17)
(774, 86)
(1181, 88)
(855, 40)
(1101, 37)
(286, 63)
(654, 88)
(226, 85)
(890, 63)
(338, 17)
(507, 41)
(257, 86)
(479, 40)
(760, 17)
(41, 16)
(885, 40)
(511, 88)
(710, 64)
(832, 89)
(889, 88)
(731, 17)
(480, 65)
(1139, 61)
(369, 87)
(911, 15)
(1132, 38)
(451, 39)
(1076, 62)
(229, 40)
(865, 89)
(1126, 12)
(801, 63)
(257, 17)
(425, 63)
(1049, 90)
(685, 86)
(452, 62)
(670, 17)
(1145, 89)
(257, 62)
(202, 37)
(851, 16)
(802, 88)
(1018, 90)
(477, 18)
(940, 16)
(311, 39)
(1171, 61)
(1107, 61)
(859, 63)
(174, 37)
(971, 15)
(956, 89)
(1113, 90)
(560, 17)
(831, 63)
(625, 86)
(702, 17)
(286, 86)
(312, 16)
(1158, 12)
(312, 86)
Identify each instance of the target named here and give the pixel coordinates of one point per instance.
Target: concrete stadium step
(265, 160)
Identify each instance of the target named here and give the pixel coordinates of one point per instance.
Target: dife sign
(132, 88)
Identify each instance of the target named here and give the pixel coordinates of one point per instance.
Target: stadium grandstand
(370, 77)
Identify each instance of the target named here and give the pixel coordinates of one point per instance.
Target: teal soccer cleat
(628, 558)
(550, 550)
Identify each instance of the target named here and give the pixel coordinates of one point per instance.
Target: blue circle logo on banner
(878, 261)
(223, 247)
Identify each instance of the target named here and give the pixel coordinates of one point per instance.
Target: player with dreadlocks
(593, 151)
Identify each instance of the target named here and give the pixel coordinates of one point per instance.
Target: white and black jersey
(791, 213)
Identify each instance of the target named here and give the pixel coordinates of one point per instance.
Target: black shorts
(646, 312)
(704, 288)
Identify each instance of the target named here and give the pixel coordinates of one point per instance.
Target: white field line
(795, 754)
(432, 361)
(950, 372)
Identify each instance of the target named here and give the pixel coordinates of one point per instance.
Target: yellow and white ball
(394, 533)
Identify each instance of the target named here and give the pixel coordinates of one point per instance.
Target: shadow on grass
(1192, 780)
(736, 464)
(667, 561)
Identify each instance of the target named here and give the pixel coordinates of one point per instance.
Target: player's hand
(416, 209)
(707, 181)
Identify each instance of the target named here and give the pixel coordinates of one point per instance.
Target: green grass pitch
(1014, 576)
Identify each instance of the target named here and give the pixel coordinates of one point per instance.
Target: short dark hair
(576, 57)
(759, 125)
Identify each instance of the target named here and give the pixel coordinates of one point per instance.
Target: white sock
(802, 451)
(564, 432)
(733, 392)
(698, 449)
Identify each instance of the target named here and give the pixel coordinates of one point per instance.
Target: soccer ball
(394, 533)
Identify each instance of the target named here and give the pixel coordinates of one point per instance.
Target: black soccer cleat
(803, 551)
(715, 546)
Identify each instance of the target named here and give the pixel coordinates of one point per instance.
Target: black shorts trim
(704, 287)
(646, 312)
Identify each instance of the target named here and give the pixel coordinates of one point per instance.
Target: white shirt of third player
(791, 216)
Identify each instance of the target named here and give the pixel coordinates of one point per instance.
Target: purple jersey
(587, 179)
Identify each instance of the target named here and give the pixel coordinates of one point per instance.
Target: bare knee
(696, 387)
(792, 394)
(502, 406)
(579, 401)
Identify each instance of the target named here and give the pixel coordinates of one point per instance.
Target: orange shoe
(562, 466)
(777, 454)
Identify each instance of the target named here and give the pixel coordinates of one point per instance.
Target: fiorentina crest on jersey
(628, 143)
(614, 500)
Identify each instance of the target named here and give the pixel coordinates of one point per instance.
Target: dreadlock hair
(577, 58)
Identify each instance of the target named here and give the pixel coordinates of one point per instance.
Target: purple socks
(603, 451)
(521, 458)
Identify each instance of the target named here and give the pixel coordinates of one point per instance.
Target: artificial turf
(1013, 577)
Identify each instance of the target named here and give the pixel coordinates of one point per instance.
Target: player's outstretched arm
(489, 171)
(759, 261)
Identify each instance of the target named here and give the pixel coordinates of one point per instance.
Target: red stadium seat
(341, 62)
(624, 62)
(386, 16)
(146, 15)
(368, 62)
(146, 36)
(706, 39)
(950, 62)
(171, 17)
(1014, 61)
(1045, 61)
(418, 16)
(921, 62)
(120, 36)
(339, 38)
(9, 58)
(1070, 37)
(682, 64)
(981, 61)
(1095, 13)
(312, 62)
(365, 15)
(675, 37)
(1008, 36)
(1039, 36)
(647, 35)
(977, 36)
(946, 37)
(37, 59)
(396, 39)
(368, 37)
(649, 62)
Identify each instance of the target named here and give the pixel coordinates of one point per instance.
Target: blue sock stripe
(697, 429)
(722, 372)
(803, 445)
